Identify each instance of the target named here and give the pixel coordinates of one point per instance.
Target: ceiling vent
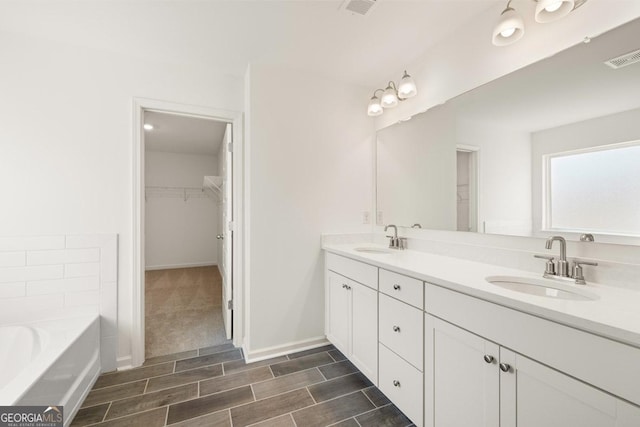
(624, 60)
(361, 7)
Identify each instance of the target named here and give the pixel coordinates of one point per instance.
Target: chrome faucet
(560, 269)
(395, 242)
(562, 266)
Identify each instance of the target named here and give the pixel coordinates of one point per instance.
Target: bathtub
(52, 362)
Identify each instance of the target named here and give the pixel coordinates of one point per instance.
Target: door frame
(140, 105)
(474, 185)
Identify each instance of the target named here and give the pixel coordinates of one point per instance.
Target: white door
(364, 331)
(339, 312)
(533, 395)
(226, 233)
(466, 379)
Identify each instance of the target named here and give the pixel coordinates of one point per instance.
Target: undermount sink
(373, 250)
(542, 287)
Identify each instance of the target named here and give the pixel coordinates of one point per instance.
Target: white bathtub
(51, 362)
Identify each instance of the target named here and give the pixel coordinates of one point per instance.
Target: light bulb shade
(407, 87)
(551, 10)
(374, 109)
(509, 29)
(389, 98)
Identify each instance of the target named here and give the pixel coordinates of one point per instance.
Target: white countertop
(615, 314)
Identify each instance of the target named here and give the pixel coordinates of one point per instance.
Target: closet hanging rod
(155, 187)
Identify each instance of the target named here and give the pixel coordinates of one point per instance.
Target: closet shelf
(185, 193)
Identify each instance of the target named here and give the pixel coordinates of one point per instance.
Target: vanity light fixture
(392, 95)
(510, 27)
(148, 126)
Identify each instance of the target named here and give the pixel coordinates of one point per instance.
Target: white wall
(612, 129)
(180, 233)
(504, 204)
(310, 157)
(417, 160)
(66, 140)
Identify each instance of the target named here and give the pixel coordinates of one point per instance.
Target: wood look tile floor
(214, 387)
(183, 310)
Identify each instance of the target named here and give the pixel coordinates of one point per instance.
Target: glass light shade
(374, 109)
(509, 29)
(389, 98)
(407, 87)
(148, 126)
(551, 10)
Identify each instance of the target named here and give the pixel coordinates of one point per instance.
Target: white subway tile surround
(45, 277)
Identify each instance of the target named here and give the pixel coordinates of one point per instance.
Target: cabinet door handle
(348, 287)
(396, 287)
(344, 286)
(396, 329)
(505, 367)
(488, 358)
(396, 383)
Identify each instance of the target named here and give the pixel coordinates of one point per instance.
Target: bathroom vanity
(449, 348)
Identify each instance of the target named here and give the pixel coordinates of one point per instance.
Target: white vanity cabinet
(352, 312)
(473, 381)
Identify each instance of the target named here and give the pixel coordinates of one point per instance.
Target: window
(595, 190)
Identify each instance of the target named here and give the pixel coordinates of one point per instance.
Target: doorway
(467, 188)
(187, 244)
(185, 211)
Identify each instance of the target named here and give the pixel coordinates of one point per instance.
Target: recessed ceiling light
(148, 126)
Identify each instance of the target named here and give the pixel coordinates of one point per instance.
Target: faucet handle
(550, 267)
(577, 273)
(402, 243)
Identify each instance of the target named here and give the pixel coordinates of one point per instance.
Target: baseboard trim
(124, 363)
(185, 265)
(281, 350)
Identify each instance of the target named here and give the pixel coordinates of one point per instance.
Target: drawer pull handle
(505, 367)
(488, 358)
(396, 383)
(396, 329)
(396, 287)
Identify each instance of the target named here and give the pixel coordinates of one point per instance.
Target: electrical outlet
(379, 218)
(366, 217)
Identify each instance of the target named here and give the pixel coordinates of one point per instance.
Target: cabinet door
(461, 387)
(339, 311)
(364, 333)
(533, 395)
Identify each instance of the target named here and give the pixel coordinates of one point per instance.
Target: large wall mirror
(553, 148)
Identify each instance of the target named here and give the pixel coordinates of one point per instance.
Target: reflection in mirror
(510, 157)
(606, 200)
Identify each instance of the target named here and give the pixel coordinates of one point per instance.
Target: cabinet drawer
(402, 383)
(404, 288)
(356, 270)
(401, 329)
